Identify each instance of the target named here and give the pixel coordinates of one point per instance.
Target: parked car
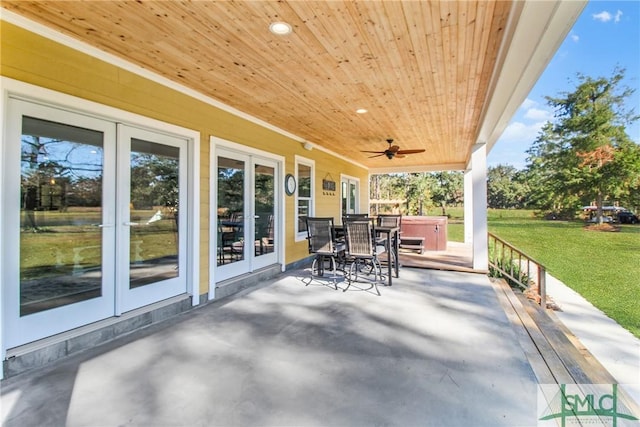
(605, 219)
(628, 217)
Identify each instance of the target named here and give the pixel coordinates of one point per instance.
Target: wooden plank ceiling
(422, 69)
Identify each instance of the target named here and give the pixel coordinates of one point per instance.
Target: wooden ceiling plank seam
(281, 72)
(478, 47)
(467, 83)
(491, 25)
(332, 51)
(415, 15)
(400, 81)
(377, 32)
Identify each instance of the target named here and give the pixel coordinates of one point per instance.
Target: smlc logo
(584, 404)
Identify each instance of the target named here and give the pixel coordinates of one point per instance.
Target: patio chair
(394, 220)
(229, 244)
(322, 243)
(361, 251)
(389, 220)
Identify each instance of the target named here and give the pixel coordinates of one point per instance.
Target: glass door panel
(231, 205)
(59, 231)
(264, 207)
(234, 241)
(349, 196)
(151, 200)
(153, 214)
(61, 210)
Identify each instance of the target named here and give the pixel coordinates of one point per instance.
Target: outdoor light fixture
(361, 110)
(280, 28)
(308, 146)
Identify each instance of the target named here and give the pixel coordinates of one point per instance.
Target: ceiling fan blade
(377, 155)
(394, 148)
(377, 152)
(415, 151)
(399, 156)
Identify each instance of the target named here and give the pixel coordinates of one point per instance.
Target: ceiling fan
(394, 151)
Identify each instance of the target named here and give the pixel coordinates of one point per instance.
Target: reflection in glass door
(231, 210)
(245, 213)
(152, 195)
(264, 207)
(61, 212)
(153, 213)
(59, 235)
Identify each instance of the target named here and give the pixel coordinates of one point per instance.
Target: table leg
(396, 255)
(389, 265)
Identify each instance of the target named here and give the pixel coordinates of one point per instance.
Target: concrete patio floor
(436, 349)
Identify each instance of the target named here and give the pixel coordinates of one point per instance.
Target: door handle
(130, 224)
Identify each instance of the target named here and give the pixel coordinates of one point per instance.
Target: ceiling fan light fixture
(280, 28)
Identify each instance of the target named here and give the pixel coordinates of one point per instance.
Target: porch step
(554, 353)
(240, 283)
(45, 351)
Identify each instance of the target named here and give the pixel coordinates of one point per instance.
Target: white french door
(247, 213)
(349, 195)
(92, 225)
(150, 230)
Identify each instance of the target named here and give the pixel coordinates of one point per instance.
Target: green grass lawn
(604, 267)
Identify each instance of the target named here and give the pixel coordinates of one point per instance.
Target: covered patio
(271, 128)
(435, 349)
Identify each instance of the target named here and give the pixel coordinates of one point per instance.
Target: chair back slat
(320, 235)
(389, 220)
(356, 216)
(359, 237)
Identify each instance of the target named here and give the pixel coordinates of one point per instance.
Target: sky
(606, 35)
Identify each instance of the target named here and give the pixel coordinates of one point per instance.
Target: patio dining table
(390, 236)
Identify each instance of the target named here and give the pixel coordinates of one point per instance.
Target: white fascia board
(538, 29)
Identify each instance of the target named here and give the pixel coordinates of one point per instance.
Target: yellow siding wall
(33, 59)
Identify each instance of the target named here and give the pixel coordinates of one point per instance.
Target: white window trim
(299, 160)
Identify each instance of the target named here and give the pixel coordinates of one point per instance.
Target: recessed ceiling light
(361, 110)
(280, 28)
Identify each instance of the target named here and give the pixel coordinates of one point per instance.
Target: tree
(447, 189)
(505, 189)
(586, 154)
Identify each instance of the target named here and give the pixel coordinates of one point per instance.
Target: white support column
(468, 207)
(479, 207)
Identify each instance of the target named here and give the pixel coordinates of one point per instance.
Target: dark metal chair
(392, 220)
(322, 243)
(389, 220)
(361, 251)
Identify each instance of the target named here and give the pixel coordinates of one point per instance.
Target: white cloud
(528, 103)
(538, 114)
(603, 16)
(618, 16)
(518, 132)
(575, 38)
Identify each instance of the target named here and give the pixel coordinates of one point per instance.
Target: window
(304, 195)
